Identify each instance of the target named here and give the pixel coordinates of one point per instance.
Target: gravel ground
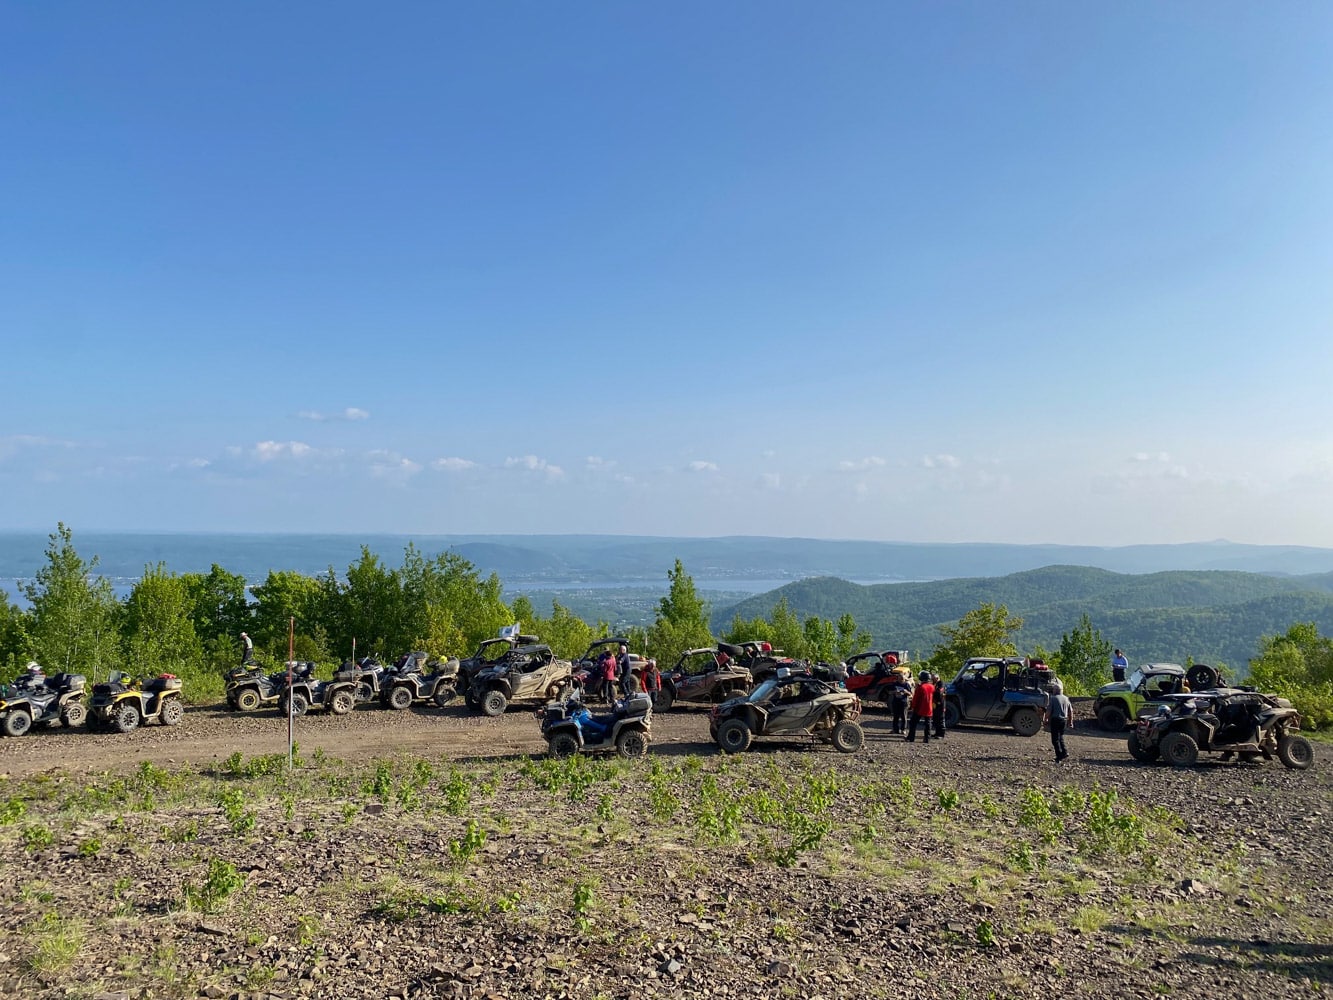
(421, 854)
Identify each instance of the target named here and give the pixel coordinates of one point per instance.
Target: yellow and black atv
(123, 702)
(55, 699)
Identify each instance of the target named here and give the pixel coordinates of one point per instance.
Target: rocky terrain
(428, 854)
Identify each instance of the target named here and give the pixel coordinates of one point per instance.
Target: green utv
(1120, 703)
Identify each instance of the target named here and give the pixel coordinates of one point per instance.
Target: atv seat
(638, 704)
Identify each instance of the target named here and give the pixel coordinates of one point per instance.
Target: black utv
(58, 698)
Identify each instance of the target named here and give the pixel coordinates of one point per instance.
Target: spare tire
(1202, 677)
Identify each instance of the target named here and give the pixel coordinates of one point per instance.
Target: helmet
(924, 676)
(34, 667)
(891, 659)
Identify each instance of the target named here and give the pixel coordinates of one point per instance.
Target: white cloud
(767, 453)
(1144, 456)
(391, 465)
(452, 464)
(269, 451)
(940, 462)
(595, 463)
(198, 463)
(12, 444)
(351, 413)
(534, 464)
(698, 465)
(771, 480)
(861, 464)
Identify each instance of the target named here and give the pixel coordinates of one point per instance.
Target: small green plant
(986, 934)
(989, 807)
(221, 881)
(457, 792)
(947, 798)
(308, 927)
(381, 785)
(183, 833)
(472, 840)
(55, 942)
(90, 848)
(232, 801)
(13, 810)
(662, 797)
(585, 898)
(37, 837)
(1035, 814)
(506, 902)
(1111, 830)
(606, 807)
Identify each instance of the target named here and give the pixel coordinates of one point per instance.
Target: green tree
(786, 631)
(682, 619)
(72, 621)
(987, 630)
(284, 595)
(742, 629)
(14, 641)
(157, 624)
(218, 604)
(1082, 657)
(851, 639)
(1299, 666)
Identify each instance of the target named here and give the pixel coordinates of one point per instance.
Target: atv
(409, 683)
(526, 673)
(568, 727)
(491, 653)
(307, 693)
(1002, 691)
(708, 674)
(249, 688)
(123, 702)
(58, 698)
(1119, 703)
(1231, 722)
(789, 704)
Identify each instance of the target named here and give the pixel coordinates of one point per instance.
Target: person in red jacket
(923, 707)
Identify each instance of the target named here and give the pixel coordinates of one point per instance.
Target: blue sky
(1026, 272)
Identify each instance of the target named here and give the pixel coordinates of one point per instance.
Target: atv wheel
(1026, 722)
(734, 736)
(952, 717)
(632, 744)
(17, 722)
(299, 705)
(1295, 752)
(74, 715)
(400, 698)
(364, 692)
(1144, 755)
(470, 700)
(343, 702)
(1202, 677)
(665, 699)
(444, 694)
(562, 745)
(1180, 750)
(172, 712)
(247, 700)
(494, 703)
(1112, 718)
(126, 717)
(848, 737)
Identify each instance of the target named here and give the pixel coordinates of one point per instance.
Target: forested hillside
(1214, 616)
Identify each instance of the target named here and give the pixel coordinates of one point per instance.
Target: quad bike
(527, 673)
(409, 683)
(55, 699)
(569, 728)
(123, 702)
(789, 704)
(1226, 721)
(249, 688)
(307, 693)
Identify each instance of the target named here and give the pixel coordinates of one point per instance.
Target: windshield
(1136, 679)
(763, 690)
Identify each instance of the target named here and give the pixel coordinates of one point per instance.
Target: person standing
(900, 693)
(1059, 712)
(923, 707)
(652, 680)
(938, 709)
(627, 683)
(1119, 666)
(247, 650)
(609, 677)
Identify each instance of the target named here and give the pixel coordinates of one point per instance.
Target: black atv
(249, 688)
(410, 683)
(307, 693)
(58, 698)
(123, 702)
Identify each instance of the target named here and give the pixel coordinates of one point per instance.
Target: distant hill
(1212, 616)
(520, 559)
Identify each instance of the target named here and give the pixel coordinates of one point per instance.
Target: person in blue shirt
(1119, 666)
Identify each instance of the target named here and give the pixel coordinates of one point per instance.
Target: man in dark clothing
(923, 707)
(247, 650)
(900, 693)
(1059, 712)
(628, 683)
(938, 713)
(1119, 664)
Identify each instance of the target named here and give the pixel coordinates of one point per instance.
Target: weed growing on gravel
(465, 847)
(457, 792)
(381, 785)
(90, 848)
(585, 898)
(989, 807)
(55, 940)
(1035, 814)
(37, 837)
(947, 799)
(308, 927)
(232, 801)
(218, 885)
(1089, 919)
(606, 807)
(264, 765)
(182, 833)
(576, 774)
(12, 811)
(1111, 830)
(717, 815)
(986, 934)
(662, 797)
